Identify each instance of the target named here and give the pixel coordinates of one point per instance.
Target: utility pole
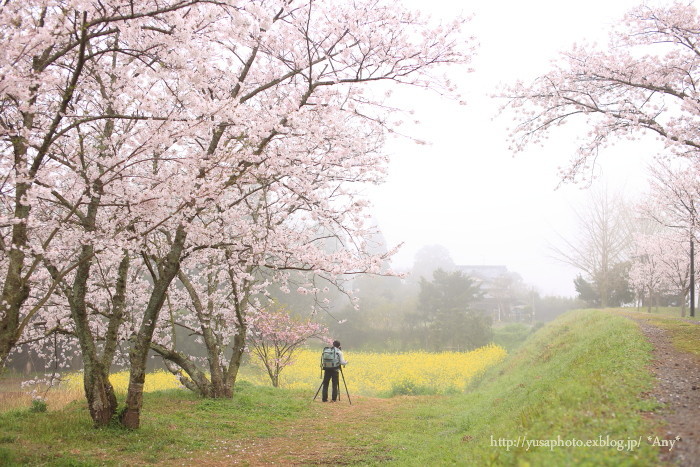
(692, 276)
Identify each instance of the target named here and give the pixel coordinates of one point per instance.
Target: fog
(466, 190)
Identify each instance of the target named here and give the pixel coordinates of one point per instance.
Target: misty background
(465, 189)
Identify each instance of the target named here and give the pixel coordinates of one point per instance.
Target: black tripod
(336, 387)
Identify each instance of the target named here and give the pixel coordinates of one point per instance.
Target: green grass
(580, 377)
(661, 312)
(685, 334)
(512, 335)
(176, 426)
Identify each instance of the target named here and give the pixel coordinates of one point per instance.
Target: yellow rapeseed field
(155, 381)
(367, 373)
(370, 373)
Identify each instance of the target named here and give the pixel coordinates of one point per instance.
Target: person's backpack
(330, 359)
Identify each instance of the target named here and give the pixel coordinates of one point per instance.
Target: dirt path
(328, 437)
(678, 388)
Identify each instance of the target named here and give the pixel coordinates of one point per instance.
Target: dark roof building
(486, 273)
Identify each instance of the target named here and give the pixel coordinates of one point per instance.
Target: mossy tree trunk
(164, 273)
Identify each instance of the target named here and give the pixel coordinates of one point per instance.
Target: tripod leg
(319, 390)
(346, 385)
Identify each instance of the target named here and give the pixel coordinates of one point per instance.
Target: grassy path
(331, 434)
(676, 367)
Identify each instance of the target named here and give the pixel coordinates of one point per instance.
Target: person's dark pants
(329, 375)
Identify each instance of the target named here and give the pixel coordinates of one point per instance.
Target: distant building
(484, 275)
(501, 291)
(484, 272)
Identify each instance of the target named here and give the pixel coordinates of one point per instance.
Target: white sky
(466, 191)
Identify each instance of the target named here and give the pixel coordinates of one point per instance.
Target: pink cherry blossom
(164, 162)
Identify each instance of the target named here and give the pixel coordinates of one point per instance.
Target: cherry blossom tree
(67, 133)
(672, 204)
(644, 82)
(141, 135)
(226, 287)
(210, 302)
(674, 194)
(276, 336)
(649, 275)
(675, 264)
(287, 149)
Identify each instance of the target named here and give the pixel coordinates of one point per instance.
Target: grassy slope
(175, 425)
(581, 377)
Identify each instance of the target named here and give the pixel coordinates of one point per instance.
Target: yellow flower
(369, 373)
(156, 381)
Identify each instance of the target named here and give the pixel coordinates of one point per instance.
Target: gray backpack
(330, 359)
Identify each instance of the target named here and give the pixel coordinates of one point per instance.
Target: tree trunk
(176, 362)
(656, 301)
(196, 380)
(15, 289)
(99, 393)
(682, 298)
(215, 370)
(218, 379)
(222, 379)
(98, 390)
(8, 332)
(131, 415)
(236, 358)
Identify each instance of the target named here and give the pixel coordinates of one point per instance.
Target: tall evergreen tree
(445, 304)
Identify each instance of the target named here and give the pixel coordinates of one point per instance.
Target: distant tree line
(435, 307)
(638, 253)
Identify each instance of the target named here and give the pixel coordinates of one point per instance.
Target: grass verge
(657, 312)
(582, 377)
(685, 332)
(13, 397)
(177, 427)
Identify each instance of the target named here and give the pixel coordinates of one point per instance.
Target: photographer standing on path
(331, 359)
